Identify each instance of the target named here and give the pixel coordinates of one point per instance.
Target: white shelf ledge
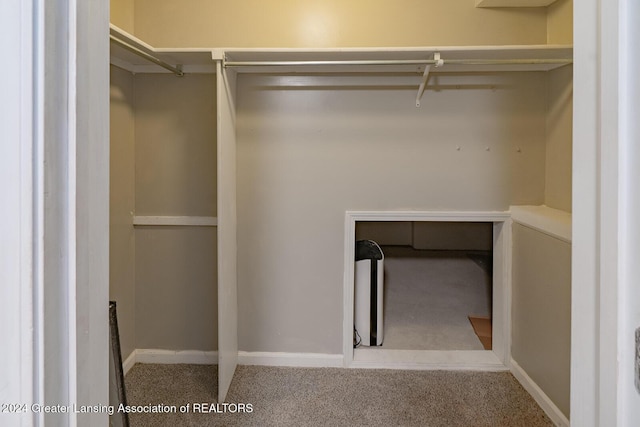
(191, 60)
(341, 60)
(189, 221)
(547, 220)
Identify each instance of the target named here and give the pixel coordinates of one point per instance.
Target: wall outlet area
(637, 376)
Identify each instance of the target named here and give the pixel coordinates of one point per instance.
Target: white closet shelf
(547, 220)
(339, 60)
(190, 60)
(193, 221)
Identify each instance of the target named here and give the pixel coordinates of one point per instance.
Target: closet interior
(163, 203)
(438, 290)
(234, 173)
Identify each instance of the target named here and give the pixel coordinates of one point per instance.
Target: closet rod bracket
(437, 62)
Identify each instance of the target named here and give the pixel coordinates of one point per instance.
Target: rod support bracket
(437, 62)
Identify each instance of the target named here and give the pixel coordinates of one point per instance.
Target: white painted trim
(260, 358)
(609, 211)
(227, 231)
(629, 231)
(88, 185)
(379, 358)
(325, 53)
(441, 216)
(169, 357)
(40, 169)
(585, 346)
(553, 222)
(75, 210)
(129, 362)
(348, 288)
(502, 286)
(501, 276)
(305, 360)
(20, 249)
(194, 221)
(597, 292)
(552, 411)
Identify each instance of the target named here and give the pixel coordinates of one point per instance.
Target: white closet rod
(399, 62)
(177, 70)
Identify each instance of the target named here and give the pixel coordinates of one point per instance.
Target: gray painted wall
(399, 233)
(428, 235)
(559, 148)
(472, 236)
(473, 118)
(176, 267)
(176, 299)
(334, 23)
(308, 154)
(122, 205)
(541, 311)
(175, 144)
(163, 162)
(305, 156)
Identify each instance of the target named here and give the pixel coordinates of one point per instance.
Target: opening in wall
(444, 292)
(436, 285)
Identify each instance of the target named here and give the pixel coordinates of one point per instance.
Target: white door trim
(56, 210)
(502, 290)
(629, 245)
(602, 316)
(18, 260)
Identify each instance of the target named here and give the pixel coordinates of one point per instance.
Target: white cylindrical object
(369, 299)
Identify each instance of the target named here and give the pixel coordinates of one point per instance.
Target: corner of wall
(559, 139)
(121, 14)
(560, 22)
(121, 204)
(559, 122)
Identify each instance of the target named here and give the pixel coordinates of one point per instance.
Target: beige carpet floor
(334, 397)
(428, 298)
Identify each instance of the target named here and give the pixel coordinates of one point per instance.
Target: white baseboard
(168, 357)
(197, 357)
(468, 360)
(129, 362)
(552, 411)
(305, 360)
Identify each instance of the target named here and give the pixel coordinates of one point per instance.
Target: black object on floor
(118, 418)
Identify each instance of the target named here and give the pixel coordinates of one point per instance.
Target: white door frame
(497, 359)
(605, 188)
(629, 254)
(596, 296)
(17, 149)
(54, 159)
